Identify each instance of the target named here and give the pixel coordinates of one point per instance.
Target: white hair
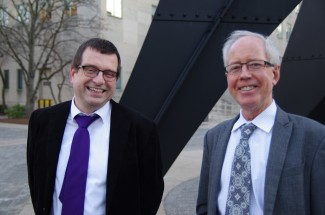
(272, 52)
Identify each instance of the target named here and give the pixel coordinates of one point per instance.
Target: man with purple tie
(92, 155)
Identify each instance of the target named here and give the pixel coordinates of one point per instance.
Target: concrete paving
(181, 181)
(14, 193)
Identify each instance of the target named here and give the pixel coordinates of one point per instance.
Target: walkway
(181, 181)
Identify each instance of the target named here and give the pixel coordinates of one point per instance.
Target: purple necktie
(73, 189)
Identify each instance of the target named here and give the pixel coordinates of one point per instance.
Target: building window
(288, 32)
(153, 10)
(114, 8)
(297, 8)
(23, 13)
(119, 83)
(45, 11)
(4, 18)
(6, 74)
(70, 7)
(20, 80)
(279, 31)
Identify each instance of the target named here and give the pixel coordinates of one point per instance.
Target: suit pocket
(292, 171)
(291, 191)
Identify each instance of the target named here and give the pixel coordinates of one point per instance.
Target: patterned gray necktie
(240, 179)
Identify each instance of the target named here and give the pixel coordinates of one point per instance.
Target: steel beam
(301, 89)
(179, 74)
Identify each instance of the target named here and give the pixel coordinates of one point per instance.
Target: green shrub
(2, 110)
(16, 111)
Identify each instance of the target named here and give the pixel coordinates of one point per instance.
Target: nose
(244, 72)
(99, 79)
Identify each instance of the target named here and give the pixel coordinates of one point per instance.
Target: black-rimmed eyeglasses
(252, 66)
(92, 72)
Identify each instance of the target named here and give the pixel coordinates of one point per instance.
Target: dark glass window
(20, 80)
(6, 74)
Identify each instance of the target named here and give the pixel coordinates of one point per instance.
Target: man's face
(93, 93)
(252, 90)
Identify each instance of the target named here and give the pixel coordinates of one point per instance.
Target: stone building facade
(125, 23)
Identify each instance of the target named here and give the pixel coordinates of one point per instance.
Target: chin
(248, 104)
(96, 102)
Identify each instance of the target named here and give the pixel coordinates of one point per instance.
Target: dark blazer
(295, 172)
(134, 177)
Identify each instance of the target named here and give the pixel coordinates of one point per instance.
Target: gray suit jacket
(295, 172)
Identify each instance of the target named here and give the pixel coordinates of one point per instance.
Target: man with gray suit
(277, 165)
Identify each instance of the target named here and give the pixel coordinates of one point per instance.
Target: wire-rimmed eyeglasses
(252, 66)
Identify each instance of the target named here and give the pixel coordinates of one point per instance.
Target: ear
(276, 74)
(73, 72)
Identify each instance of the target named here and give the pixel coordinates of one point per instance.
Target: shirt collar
(103, 112)
(263, 121)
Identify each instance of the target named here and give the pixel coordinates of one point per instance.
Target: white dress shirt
(259, 144)
(99, 130)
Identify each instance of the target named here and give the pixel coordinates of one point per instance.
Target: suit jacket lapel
(120, 126)
(279, 144)
(55, 133)
(219, 152)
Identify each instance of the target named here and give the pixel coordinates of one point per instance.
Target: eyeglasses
(252, 66)
(92, 72)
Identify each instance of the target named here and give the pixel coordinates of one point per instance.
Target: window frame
(114, 11)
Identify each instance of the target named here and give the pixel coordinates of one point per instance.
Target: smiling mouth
(247, 88)
(96, 90)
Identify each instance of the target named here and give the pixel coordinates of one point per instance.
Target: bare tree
(3, 80)
(41, 36)
(3, 91)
